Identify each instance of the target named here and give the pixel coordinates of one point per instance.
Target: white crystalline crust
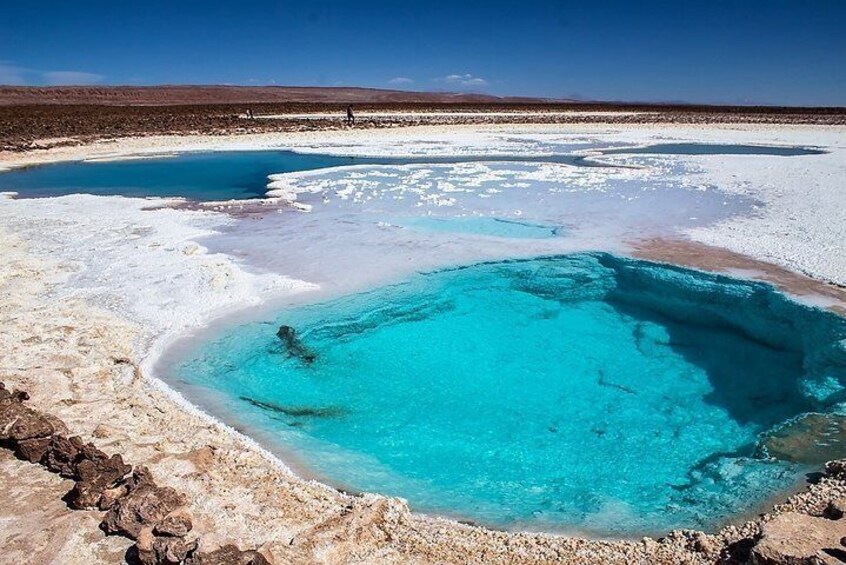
(117, 245)
(144, 265)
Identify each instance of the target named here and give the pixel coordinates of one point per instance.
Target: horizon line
(511, 98)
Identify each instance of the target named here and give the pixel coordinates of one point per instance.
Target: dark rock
(134, 556)
(835, 509)
(64, 455)
(61, 455)
(94, 476)
(170, 550)
(136, 507)
(152, 550)
(295, 347)
(111, 495)
(19, 422)
(59, 427)
(836, 469)
(88, 452)
(143, 552)
(33, 450)
(7, 395)
(99, 469)
(20, 395)
(145, 505)
(175, 524)
(228, 555)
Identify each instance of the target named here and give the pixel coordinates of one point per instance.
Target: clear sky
(790, 52)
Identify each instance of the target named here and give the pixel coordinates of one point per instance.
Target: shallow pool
(715, 149)
(227, 175)
(478, 225)
(581, 393)
(210, 176)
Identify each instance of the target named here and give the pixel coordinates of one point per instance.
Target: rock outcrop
(799, 539)
(228, 555)
(143, 505)
(94, 477)
(154, 516)
(18, 422)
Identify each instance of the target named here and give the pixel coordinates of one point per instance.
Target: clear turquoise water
(213, 176)
(197, 176)
(243, 174)
(477, 225)
(572, 393)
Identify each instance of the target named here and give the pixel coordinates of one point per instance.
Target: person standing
(350, 116)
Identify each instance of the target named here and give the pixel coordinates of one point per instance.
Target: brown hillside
(204, 95)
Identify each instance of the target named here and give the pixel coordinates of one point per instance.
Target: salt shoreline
(378, 529)
(165, 145)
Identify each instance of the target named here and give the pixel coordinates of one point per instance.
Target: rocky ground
(33, 125)
(155, 517)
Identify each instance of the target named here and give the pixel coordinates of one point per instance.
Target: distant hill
(191, 95)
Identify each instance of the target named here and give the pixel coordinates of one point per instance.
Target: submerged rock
(812, 438)
(299, 411)
(294, 346)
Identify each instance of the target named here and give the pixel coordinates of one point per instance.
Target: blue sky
(744, 51)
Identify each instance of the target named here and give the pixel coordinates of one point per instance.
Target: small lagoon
(228, 175)
(577, 393)
(210, 176)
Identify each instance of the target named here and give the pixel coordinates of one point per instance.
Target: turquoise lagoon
(209, 176)
(576, 393)
(225, 175)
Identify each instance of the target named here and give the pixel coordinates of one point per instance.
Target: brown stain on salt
(695, 255)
